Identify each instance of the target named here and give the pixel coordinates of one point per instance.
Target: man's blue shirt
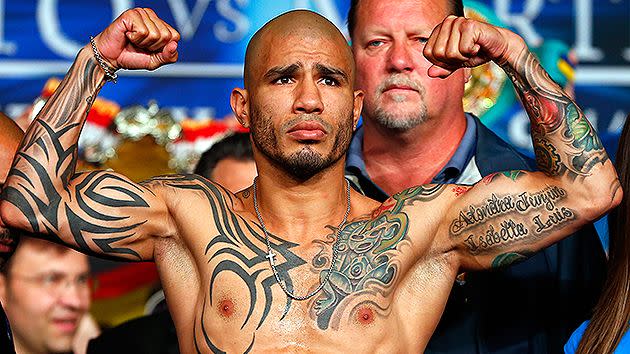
(450, 173)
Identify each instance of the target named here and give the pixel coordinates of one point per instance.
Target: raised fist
(138, 39)
(459, 42)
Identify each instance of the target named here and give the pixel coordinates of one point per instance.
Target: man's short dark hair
(456, 5)
(236, 146)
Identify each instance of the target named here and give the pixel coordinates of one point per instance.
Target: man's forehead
(304, 55)
(294, 34)
(416, 15)
(33, 256)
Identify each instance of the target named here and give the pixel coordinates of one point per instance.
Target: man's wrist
(110, 72)
(515, 49)
(85, 57)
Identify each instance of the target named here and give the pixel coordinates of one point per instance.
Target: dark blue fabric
(151, 334)
(531, 307)
(6, 339)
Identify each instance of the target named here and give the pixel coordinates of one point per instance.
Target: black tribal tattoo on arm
(98, 212)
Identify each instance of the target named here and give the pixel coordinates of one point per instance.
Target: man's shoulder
(186, 185)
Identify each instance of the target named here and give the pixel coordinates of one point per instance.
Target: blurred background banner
(39, 39)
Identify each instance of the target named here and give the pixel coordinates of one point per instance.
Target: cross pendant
(271, 257)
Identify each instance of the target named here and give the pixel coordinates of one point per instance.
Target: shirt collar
(465, 151)
(355, 163)
(357, 172)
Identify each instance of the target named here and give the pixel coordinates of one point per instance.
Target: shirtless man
(384, 286)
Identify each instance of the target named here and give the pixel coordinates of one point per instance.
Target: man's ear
(239, 100)
(358, 106)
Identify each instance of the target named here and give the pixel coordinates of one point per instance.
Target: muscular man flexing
(268, 268)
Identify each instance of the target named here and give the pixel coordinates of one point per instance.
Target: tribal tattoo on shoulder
(238, 247)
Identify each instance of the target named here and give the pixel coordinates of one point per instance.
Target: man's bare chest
(243, 295)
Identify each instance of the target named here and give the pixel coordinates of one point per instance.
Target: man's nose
(308, 97)
(400, 57)
(74, 295)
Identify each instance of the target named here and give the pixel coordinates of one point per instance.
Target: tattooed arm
(509, 215)
(96, 212)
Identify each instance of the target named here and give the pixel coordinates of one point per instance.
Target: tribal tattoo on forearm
(44, 168)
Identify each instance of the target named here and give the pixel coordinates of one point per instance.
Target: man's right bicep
(99, 212)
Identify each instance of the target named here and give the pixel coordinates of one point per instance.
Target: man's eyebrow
(278, 71)
(326, 70)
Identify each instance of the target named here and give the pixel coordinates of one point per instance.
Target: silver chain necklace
(271, 256)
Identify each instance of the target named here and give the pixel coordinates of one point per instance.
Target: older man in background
(416, 131)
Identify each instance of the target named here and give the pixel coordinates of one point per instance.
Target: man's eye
(329, 81)
(375, 43)
(284, 80)
(83, 279)
(51, 279)
(422, 40)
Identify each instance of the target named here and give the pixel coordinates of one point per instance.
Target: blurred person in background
(10, 136)
(607, 332)
(228, 162)
(45, 290)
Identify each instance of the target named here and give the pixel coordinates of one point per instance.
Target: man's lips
(66, 325)
(399, 88)
(308, 130)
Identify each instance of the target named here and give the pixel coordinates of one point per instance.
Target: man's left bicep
(510, 215)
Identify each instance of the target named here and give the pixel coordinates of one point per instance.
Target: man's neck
(298, 211)
(399, 160)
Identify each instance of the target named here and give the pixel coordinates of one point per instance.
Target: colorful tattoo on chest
(368, 261)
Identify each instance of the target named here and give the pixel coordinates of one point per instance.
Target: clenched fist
(459, 42)
(138, 39)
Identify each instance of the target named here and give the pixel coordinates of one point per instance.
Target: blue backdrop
(39, 39)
